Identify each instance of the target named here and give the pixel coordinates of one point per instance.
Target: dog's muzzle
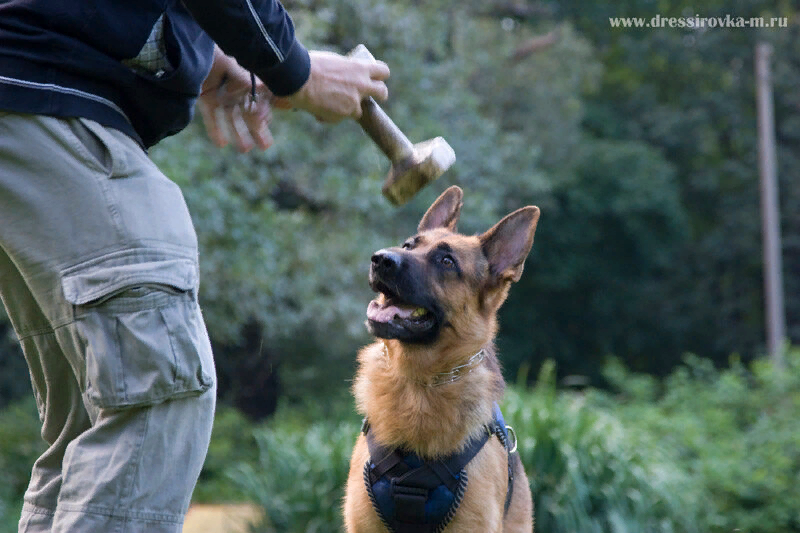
(403, 310)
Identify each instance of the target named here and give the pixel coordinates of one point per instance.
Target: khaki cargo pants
(98, 274)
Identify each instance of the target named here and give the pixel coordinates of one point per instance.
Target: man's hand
(337, 85)
(229, 113)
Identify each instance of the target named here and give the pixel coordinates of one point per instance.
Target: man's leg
(105, 247)
(58, 396)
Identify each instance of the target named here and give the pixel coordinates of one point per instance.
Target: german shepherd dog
(430, 384)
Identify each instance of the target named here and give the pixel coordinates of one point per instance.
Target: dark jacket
(137, 65)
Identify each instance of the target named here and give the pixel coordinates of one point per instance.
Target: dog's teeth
(418, 312)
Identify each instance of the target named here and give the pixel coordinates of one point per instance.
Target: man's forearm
(260, 35)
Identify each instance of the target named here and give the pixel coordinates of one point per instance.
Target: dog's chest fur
(431, 421)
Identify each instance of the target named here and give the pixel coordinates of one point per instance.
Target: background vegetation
(703, 451)
(639, 146)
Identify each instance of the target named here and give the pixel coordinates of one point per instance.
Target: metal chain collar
(445, 378)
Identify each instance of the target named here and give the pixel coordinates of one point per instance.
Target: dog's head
(441, 285)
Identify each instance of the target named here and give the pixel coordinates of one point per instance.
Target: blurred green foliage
(20, 445)
(590, 473)
(735, 432)
(300, 474)
(690, 96)
(14, 381)
(232, 442)
(639, 147)
(706, 451)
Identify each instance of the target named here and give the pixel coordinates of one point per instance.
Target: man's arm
(260, 35)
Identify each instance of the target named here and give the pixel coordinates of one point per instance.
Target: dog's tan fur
(392, 386)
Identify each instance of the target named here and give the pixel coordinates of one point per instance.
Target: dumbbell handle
(377, 123)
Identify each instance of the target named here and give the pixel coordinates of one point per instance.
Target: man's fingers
(378, 70)
(378, 91)
(337, 85)
(209, 114)
(265, 139)
(229, 114)
(245, 125)
(256, 116)
(238, 129)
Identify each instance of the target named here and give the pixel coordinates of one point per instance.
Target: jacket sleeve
(260, 35)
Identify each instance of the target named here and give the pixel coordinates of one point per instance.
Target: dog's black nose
(386, 262)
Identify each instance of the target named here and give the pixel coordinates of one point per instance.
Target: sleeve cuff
(288, 76)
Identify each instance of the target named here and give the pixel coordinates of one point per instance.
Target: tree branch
(518, 10)
(536, 44)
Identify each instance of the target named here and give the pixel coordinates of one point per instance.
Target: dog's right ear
(444, 212)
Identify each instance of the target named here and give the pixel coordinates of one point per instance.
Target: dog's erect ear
(444, 212)
(507, 244)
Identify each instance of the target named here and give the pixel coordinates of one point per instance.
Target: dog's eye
(406, 245)
(447, 261)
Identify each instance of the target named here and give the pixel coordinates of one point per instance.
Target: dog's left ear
(444, 212)
(507, 244)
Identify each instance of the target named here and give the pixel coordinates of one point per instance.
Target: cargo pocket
(141, 331)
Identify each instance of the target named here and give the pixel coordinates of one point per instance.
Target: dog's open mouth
(391, 317)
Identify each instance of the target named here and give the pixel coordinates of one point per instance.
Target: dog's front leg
(487, 518)
(359, 515)
(484, 501)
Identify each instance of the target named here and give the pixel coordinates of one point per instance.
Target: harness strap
(383, 458)
(499, 429)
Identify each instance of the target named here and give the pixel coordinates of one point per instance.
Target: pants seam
(130, 249)
(30, 508)
(136, 463)
(127, 516)
(38, 332)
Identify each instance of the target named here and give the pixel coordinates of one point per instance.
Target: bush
(20, 445)
(232, 442)
(705, 451)
(301, 471)
(588, 472)
(735, 432)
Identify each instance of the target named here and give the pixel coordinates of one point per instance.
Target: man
(98, 256)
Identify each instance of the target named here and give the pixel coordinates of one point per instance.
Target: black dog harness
(412, 495)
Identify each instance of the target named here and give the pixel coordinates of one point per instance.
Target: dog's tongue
(385, 312)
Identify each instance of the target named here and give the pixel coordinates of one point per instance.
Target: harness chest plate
(413, 495)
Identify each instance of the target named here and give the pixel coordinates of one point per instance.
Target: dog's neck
(457, 372)
(412, 402)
